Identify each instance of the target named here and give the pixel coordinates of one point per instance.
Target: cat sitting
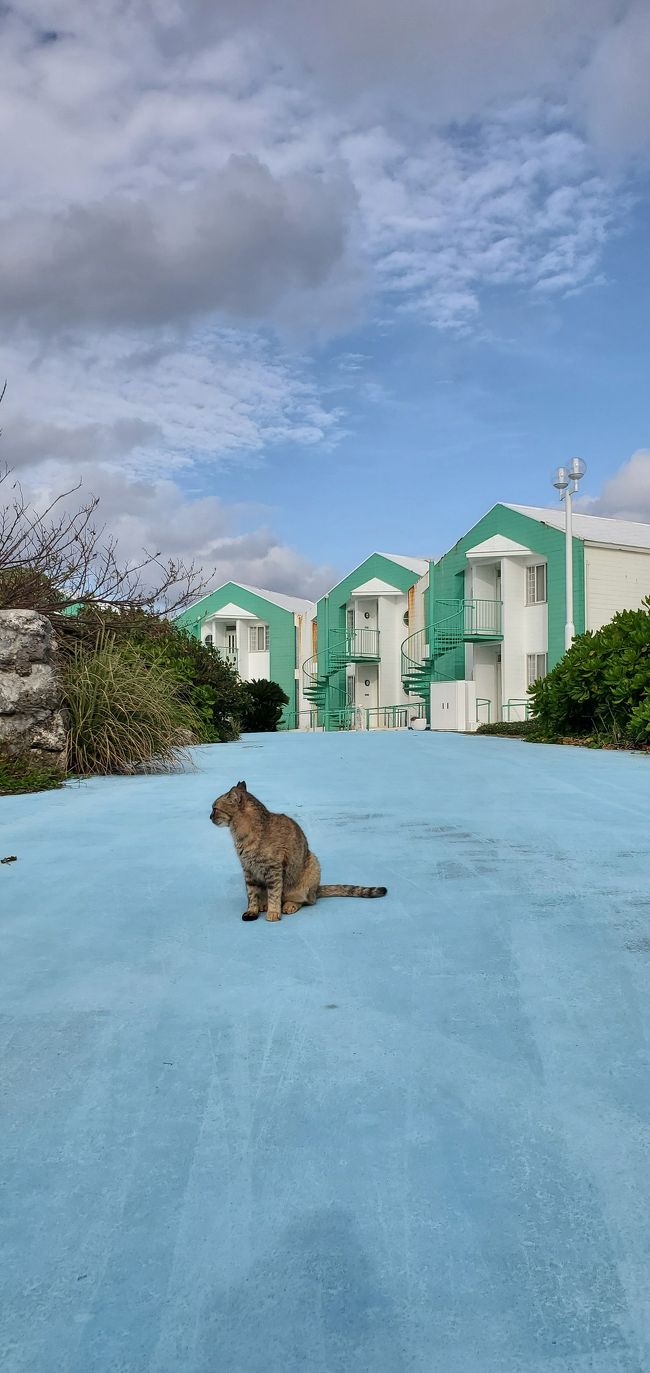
(280, 872)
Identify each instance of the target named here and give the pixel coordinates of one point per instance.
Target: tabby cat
(280, 872)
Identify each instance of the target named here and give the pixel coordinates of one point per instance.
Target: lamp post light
(566, 480)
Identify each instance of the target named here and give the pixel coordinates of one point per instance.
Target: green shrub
(512, 729)
(601, 687)
(264, 702)
(206, 682)
(126, 713)
(22, 773)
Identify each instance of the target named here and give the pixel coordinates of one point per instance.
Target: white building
(494, 607)
(263, 634)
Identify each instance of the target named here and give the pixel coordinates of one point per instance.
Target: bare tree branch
(55, 558)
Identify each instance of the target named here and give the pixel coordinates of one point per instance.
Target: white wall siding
(392, 632)
(513, 652)
(615, 579)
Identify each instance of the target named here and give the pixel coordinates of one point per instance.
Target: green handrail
(513, 703)
(346, 645)
(394, 717)
(466, 619)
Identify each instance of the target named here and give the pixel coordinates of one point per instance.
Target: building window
(258, 639)
(536, 667)
(349, 690)
(536, 584)
(208, 640)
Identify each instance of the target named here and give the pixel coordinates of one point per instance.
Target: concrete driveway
(409, 1134)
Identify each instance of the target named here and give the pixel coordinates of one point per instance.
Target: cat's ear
(242, 786)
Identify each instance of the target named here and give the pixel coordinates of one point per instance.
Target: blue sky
(282, 286)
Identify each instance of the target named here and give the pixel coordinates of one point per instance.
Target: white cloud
(157, 516)
(626, 495)
(177, 165)
(219, 398)
(615, 88)
(515, 203)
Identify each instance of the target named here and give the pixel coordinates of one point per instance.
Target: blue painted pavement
(408, 1134)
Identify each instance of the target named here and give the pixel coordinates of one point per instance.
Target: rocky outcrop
(31, 718)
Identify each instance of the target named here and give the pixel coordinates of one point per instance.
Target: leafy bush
(22, 773)
(206, 683)
(512, 729)
(263, 707)
(601, 687)
(126, 713)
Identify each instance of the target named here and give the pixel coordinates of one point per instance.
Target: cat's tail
(344, 889)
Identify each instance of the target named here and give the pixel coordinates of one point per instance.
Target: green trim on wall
(447, 584)
(281, 631)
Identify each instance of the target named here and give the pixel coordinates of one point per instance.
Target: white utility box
(453, 706)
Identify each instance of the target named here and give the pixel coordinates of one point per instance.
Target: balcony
(482, 620)
(354, 646)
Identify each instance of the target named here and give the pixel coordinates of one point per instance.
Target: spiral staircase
(457, 623)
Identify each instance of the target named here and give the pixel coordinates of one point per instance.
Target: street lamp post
(566, 481)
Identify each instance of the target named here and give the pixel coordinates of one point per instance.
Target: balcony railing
(482, 619)
(392, 717)
(354, 646)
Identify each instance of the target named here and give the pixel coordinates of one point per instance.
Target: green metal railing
(513, 704)
(353, 646)
(483, 702)
(314, 683)
(393, 717)
(342, 717)
(482, 619)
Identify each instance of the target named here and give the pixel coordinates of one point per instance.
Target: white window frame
(259, 639)
(350, 689)
(536, 667)
(536, 595)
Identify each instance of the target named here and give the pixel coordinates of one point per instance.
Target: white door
(231, 638)
(368, 685)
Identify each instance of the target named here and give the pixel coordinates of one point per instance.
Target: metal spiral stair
(314, 683)
(467, 621)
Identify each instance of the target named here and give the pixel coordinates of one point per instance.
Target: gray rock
(31, 718)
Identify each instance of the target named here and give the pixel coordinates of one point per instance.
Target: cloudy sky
(284, 282)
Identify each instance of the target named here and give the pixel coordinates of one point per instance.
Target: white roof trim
(419, 565)
(375, 587)
(230, 612)
(498, 546)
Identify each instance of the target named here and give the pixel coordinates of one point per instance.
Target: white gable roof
(294, 603)
(591, 528)
(419, 565)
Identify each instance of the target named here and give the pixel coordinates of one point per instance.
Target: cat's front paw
(273, 915)
(251, 915)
